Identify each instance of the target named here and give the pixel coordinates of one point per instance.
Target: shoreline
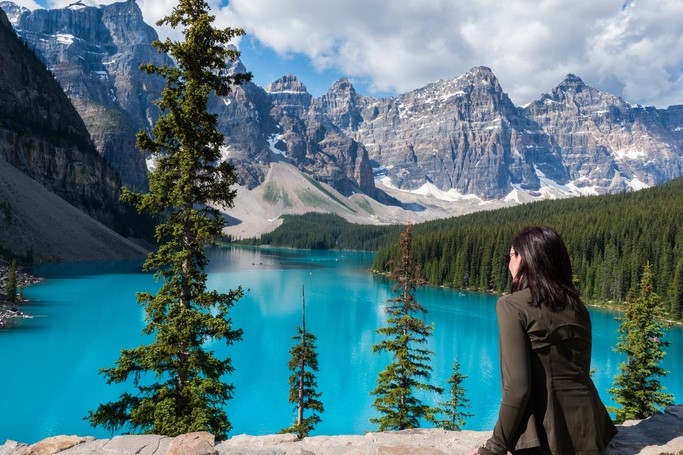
(10, 311)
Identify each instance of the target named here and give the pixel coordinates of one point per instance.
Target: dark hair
(545, 268)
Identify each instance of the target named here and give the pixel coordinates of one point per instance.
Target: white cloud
(631, 48)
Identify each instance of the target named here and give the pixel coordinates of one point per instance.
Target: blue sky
(632, 48)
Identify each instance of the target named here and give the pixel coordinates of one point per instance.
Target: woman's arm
(515, 369)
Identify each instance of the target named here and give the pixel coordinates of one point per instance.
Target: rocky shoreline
(661, 434)
(11, 311)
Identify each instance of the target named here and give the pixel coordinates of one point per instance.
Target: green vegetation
(11, 288)
(273, 193)
(405, 332)
(107, 118)
(637, 388)
(322, 231)
(303, 386)
(327, 193)
(180, 382)
(455, 406)
(365, 205)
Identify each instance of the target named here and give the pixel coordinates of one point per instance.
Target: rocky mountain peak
(235, 66)
(126, 25)
(286, 84)
(13, 11)
(572, 82)
(342, 105)
(575, 94)
(483, 73)
(290, 95)
(343, 85)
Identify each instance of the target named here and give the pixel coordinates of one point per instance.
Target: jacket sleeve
(515, 369)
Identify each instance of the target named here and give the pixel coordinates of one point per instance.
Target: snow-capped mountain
(451, 140)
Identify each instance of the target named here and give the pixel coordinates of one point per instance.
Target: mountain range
(451, 147)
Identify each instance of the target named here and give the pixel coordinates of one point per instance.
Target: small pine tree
(454, 407)
(637, 388)
(302, 382)
(11, 288)
(180, 382)
(409, 369)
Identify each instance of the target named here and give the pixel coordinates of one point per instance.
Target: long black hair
(545, 268)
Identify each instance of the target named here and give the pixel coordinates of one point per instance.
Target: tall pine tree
(399, 384)
(637, 388)
(179, 381)
(303, 386)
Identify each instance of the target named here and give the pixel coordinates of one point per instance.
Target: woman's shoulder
(517, 302)
(518, 298)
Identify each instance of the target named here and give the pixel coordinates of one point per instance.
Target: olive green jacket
(549, 401)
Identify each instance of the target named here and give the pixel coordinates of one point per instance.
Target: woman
(549, 404)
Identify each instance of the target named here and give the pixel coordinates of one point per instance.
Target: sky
(630, 48)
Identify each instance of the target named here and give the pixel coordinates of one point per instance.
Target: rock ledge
(661, 434)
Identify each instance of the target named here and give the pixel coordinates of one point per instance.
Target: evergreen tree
(637, 388)
(405, 375)
(454, 407)
(676, 293)
(179, 380)
(302, 382)
(11, 288)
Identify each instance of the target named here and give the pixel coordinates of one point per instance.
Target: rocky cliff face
(42, 135)
(463, 134)
(279, 124)
(467, 135)
(606, 143)
(314, 144)
(95, 53)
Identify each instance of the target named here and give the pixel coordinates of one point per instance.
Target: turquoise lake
(86, 312)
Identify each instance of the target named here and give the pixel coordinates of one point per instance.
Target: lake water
(88, 312)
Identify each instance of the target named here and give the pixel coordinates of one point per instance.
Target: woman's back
(549, 403)
(564, 406)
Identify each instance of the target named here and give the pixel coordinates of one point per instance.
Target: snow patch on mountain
(632, 153)
(430, 190)
(64, 38)
(273, 139)
(637, 184)
(452, 195)
(550, 189)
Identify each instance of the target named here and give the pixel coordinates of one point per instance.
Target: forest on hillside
(324, 231)
(610, 239)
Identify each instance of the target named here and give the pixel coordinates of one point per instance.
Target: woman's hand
(475, 451)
